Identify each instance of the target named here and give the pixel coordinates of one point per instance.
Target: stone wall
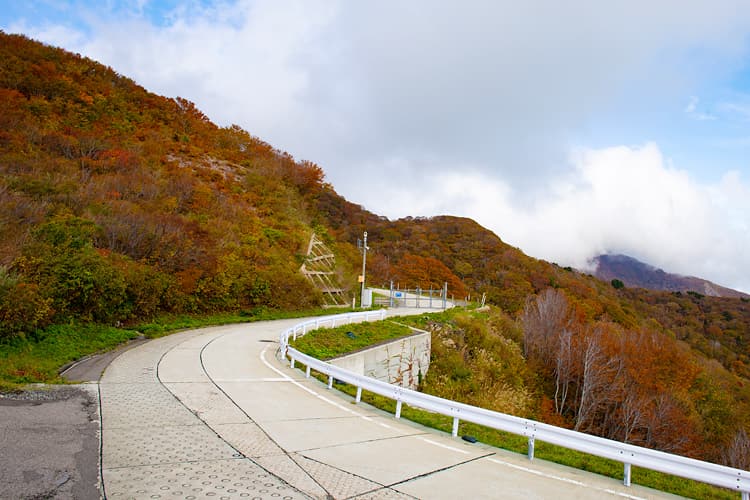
(400, 362)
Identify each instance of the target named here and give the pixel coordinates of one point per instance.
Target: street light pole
(364, 263)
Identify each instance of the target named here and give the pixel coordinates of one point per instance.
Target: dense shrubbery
(119, 205)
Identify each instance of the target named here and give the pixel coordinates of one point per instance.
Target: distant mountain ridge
(634, 273)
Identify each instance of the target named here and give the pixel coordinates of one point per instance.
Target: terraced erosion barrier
(718, 475)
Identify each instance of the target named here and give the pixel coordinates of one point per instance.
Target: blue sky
(568, 128)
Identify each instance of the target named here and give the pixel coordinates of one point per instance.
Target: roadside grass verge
(328, 342)
(38, 357)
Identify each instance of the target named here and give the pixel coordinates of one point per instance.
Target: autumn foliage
(117, 205)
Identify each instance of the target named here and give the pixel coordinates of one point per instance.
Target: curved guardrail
(706, 472)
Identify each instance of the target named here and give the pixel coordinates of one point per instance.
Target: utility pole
(364, 264)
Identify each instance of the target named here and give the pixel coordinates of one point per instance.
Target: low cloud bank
(620, 199)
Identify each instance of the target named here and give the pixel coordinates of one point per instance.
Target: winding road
(212, 413)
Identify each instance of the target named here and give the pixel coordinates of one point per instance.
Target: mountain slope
(634, 273)
(117, 205)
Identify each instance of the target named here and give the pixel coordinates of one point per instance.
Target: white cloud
(619, 199)
(422, 107)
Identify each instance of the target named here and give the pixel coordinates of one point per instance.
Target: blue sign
(398, 294)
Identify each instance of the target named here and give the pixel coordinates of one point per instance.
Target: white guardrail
(719, 475)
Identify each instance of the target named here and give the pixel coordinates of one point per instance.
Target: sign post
(362, 277)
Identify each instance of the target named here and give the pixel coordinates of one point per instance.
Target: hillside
(634, 273)
(118, 205)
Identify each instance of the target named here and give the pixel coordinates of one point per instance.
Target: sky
(570, 129)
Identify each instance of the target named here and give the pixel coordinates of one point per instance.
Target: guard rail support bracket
(455, 427)
(746, 495)
(307, 372)
(531, 448)
(330, 381)
(398, 409)
(359, 395)
(626, 475)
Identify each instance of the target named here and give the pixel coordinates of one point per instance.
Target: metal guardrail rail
(706, 472)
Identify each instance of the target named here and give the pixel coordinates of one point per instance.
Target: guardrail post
(531, 448)
(330, 381)
(746, 495)
(626, 475)
(398, 409)
(359, 395)
(307, 372)
(291, 363)
(454, 431)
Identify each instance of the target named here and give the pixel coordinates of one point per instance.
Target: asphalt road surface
(50, 443)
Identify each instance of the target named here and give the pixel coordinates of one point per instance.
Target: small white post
(455, 427)
(531, 448)
(291, 364)
(746, 495)
(626, 475)
(359, 395)
(330, 381)
(307, 372)
(398, 409)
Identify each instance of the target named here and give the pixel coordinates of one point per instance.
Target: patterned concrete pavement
(212, 413)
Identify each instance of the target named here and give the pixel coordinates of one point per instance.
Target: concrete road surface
(212, 413)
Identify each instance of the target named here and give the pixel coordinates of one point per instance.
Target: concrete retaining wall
(401, 362)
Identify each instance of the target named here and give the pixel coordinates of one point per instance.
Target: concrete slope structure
(213, 413)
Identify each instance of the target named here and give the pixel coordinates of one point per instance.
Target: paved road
(49, 444)
(212, 413)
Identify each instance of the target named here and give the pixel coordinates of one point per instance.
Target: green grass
(39, 357)
(330, 342)
(327, 343)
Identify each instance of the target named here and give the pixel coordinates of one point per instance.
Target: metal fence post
(359, 395)
(398, 409)
(307, 372)
(330, 381)
(626, 475)
(454, 430)
(531, 448)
